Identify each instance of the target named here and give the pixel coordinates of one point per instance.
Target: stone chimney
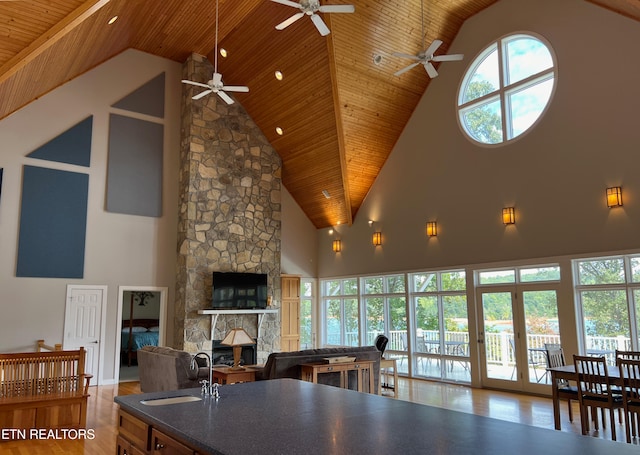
(229, 213)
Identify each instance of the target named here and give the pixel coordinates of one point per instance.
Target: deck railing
(498, 346)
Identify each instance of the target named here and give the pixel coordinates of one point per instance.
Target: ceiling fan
(426, 56)
(310, 8)
(215, 85)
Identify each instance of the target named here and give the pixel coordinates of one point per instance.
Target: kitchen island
(288, 416)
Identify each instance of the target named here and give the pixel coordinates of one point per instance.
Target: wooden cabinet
(133, 435)
(163, 444)
(124, 447)
(290, 313)
(136, 437)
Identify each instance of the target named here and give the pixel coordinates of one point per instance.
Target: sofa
(163, 368)
(287, 364)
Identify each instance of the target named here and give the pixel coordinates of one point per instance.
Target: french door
(516, 323)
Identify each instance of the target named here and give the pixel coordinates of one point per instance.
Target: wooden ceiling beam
(337, 108)
(52, 36)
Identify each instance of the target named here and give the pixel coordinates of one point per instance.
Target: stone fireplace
(223, 355)
(229, 215)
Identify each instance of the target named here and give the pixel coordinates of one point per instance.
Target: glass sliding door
(519, 318)
(497, 338)
(541, 324)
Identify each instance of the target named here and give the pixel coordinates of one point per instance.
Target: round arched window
(506, 89)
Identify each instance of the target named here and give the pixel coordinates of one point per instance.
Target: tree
(605, 311)
(482, 122)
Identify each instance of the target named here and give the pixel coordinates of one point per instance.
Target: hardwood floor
(525, 409)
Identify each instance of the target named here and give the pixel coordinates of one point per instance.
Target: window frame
(503, 93)
(627, 287)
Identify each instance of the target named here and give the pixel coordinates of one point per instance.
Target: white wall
(299, 246)
(555, 176)
(120, 249)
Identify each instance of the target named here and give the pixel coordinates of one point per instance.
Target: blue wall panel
(72, 147)
(53, 221)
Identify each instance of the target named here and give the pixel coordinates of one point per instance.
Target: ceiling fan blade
(433, 47)
(337, 9)
(288, 3)
(320, 25)
(410, 57)
(198, 84)
(447, 58)
(405, 69)
(431, 71)
(284, 24)
(227, 99)
(202, 94)
(236, 88)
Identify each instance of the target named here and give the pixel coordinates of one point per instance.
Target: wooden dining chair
(630, 374)
(629, 355)
(595, 391)
(566, 391)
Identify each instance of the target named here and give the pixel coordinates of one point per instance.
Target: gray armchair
(162, 368)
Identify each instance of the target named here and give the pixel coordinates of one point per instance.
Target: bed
(137, 333)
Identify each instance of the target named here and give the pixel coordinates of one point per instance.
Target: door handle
(95, 342)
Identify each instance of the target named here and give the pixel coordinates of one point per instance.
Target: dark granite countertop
(287, 416)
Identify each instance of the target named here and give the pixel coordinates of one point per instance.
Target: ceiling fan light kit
(311, 8)
(215, 84)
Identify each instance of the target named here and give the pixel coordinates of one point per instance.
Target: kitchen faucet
(208, 387)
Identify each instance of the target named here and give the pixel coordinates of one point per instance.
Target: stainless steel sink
(170, 400)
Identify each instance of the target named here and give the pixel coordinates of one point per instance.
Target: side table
(225, 375)
(388, 369)
(310, 372)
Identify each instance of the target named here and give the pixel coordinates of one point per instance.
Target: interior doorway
(84, 325)
(141, 322)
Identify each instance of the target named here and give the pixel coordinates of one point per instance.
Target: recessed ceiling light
(377, 59)
(279, 75)
(223, 52)
(279, 130)
(112, 20)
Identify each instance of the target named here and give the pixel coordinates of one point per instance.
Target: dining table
(568, 373)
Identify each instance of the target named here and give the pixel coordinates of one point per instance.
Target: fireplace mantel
(215, 313)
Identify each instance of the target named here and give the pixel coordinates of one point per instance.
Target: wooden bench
(43, 390)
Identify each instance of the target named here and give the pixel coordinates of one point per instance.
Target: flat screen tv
(239, 291)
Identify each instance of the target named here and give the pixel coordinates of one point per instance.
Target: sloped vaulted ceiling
(341, 112)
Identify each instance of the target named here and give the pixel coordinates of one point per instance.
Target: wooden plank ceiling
(340, 111)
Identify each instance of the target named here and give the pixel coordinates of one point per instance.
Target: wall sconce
(614, 197)
(377, 238)
(509, 215)
(432, 228)
(337, 246)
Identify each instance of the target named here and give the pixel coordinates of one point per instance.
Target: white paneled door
(83, 324)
